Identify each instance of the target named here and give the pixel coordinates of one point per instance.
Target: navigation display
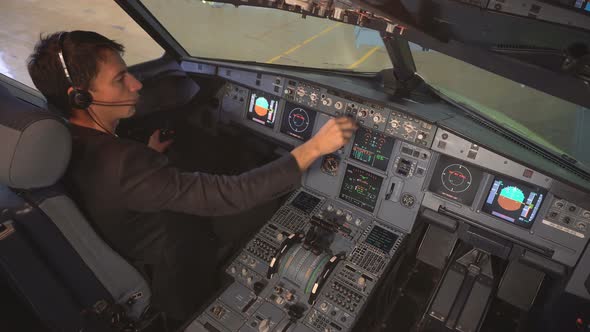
(455, 180)
(513, 202)
(263, 108)
(360, 188)
(372, 148)
(297, 121)
(381, 238)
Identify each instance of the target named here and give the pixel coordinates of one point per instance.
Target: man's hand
(332, 136)
(155, 143)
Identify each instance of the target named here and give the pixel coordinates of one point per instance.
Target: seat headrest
(36, 144)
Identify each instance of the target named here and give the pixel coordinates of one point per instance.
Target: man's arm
(332, 136)
(148, 183)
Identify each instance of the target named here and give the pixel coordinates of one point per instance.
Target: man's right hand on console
(332, 136)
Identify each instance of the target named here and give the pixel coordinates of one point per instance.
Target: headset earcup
(81, 99)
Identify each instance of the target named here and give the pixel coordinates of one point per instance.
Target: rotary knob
(358, 222)
(244, 272)
(394, 124)
(348, 217)
(330, 208)
(324, 306)
(377, 118)
(338, 105)
(362, 113)
(408, 200)
(339, 212)
(420, 136)
(233, 270)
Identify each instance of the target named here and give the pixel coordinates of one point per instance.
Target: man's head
(95, 65)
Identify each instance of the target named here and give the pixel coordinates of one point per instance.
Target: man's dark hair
(82, 51)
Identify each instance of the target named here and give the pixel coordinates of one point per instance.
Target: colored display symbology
(263, 108)
(513, 202)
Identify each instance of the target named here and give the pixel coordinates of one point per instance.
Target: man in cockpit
(141, 205)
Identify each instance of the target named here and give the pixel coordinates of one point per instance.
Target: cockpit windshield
(284, 38)
(553, 123)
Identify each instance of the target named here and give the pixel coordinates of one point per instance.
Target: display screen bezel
(485, 209)
(373, 131)
(288, 106)
(372, 207)
(476, 181)
(268, 96)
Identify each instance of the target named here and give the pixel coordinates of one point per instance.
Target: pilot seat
(49, 253)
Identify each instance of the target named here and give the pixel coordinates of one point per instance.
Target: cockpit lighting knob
(377, 118)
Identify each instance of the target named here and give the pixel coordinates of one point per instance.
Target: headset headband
(62, 59)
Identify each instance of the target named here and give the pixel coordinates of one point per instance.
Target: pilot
(144, 207)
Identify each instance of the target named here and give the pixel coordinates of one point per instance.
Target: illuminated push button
(361, 281)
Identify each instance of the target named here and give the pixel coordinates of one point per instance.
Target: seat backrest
(34, 154)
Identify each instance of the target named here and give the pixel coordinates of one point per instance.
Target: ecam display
(360, 188)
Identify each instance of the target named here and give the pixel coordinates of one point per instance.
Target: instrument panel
(398, 163)
(314, 265)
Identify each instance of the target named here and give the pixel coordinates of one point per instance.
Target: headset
(79, 98)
